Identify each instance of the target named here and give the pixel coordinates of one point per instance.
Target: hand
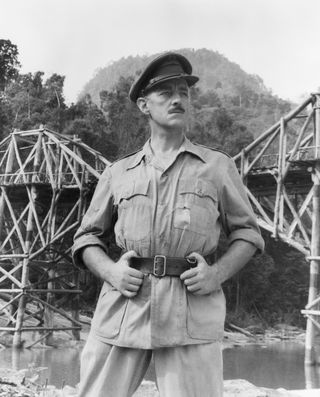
(124, 278)
(202, 279)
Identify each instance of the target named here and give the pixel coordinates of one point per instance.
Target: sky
(275, 39)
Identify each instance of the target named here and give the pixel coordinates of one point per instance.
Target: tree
(9, 63)
(127, 126)
(88, 122)
(30, 101)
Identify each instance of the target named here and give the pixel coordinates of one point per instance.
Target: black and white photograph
(159, 198)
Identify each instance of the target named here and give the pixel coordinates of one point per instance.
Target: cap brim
(190, 79)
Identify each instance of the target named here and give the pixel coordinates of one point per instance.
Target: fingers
(135, 274)
(189, 273)
(195, 278)
(132, 288)
(129, 294)
(193, 287)
(135, 280)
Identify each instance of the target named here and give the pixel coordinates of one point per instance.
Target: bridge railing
(284, 141)
(269, 166)
(28, 178)
(308, 153)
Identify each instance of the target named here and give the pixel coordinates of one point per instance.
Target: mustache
(177, 109)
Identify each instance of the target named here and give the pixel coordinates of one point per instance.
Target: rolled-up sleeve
(238, 219)
(97, 221)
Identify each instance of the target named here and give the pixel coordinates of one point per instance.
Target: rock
(242, 388)
(255, 329)
(286, 327)
(232, 388)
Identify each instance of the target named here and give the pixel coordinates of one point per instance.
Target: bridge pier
(312, 309)
(312, 351)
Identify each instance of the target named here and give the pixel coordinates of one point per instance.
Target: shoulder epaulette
(125, 156)
(214, 149)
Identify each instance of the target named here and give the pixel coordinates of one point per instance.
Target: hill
(222, 83)
(215, 70)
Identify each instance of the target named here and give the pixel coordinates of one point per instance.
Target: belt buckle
(159, 260)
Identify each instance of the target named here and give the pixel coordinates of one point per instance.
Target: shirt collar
(188, 146)
(146, 151)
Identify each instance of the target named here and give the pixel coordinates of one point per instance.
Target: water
(272, 365)
(62, 364)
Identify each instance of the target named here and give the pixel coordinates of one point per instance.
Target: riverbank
(237, 388)
(16, 384)
(26, 382)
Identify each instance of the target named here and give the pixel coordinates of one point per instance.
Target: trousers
(182, 371)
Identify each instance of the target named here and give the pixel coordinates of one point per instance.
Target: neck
(166, 142)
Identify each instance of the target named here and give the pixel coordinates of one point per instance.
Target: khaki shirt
(172, 212)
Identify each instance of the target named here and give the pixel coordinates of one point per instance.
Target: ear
(142, 104)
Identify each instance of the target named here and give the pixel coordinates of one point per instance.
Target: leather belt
(161, 265)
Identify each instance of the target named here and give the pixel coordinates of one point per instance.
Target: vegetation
(9, 63)
(230, 108)
(271, 289)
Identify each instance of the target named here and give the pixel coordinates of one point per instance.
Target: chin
(177, 123)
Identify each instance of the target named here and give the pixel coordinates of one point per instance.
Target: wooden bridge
(46, 182)
(281, 170)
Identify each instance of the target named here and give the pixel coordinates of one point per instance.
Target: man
(167, 204)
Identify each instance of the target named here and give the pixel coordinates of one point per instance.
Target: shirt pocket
(134, 211)
(110, 311)
(197, 207)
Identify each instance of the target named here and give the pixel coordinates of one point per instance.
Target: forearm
(238, 254)
(97, 261)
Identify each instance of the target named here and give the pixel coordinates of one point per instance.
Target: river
(272, 365)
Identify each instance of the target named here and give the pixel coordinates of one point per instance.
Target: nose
(176, 98)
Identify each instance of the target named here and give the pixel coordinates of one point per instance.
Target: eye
(165, 93)
(184, 93)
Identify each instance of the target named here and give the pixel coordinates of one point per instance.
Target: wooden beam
(271, 130)
(8, 275)
(310, 355)
(301, 211)
(14, 220)
(297, 219)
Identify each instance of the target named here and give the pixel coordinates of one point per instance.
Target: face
(168, 104)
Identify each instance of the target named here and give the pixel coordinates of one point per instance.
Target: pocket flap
(131, 189)
(201, 188)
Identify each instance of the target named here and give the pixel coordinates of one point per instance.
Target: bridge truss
(281, 170)
(46, 180)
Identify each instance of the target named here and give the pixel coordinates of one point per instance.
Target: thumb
(130, 254)
(196, 256)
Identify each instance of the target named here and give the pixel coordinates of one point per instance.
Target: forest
(230, 108)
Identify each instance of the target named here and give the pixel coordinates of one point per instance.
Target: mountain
(216, 72)
(222, 83)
